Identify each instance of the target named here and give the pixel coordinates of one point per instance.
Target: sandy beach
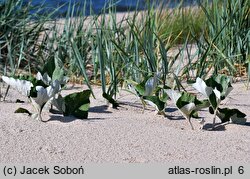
(123, 135)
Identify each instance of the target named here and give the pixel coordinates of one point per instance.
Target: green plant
(216, 89)
(150, 92)
(45, 89)
(187, 104)
(225, 37)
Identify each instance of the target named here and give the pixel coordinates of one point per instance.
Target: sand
(123, 135)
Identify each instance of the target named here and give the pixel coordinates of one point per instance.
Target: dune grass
(104, 50)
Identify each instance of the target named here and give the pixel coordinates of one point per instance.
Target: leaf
(35, 82)
(58, 74)
(58, 102)
(49, 67)
(155, 102)
(44, 95)
(110, 100)
(45, 78)
(187, 103)
(211, 110)
(140, 88)
(236, 116)
(22, 86)
(220, 84)
(214, 88)
(163, 96)
(213, 100)
(150, 85)
(173, 95)
(77, 104)
(201, 87)
(202, 104)
(22, 110)
(226, 85)
(82, 111)
(211, 82)
(185, 99)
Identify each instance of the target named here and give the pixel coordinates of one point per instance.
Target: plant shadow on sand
(174, 116)
(69, 119)
(221, 127)
(57, 115)
(218, 127)
(100, 109)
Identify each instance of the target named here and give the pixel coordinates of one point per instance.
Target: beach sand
(123, 135)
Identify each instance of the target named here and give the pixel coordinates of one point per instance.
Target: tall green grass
(139, 45)
(20, 35)
(225, 38)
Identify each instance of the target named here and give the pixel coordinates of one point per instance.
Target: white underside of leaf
(22, 86)
(201, 87)
(173, 95)
(44, 95)
(151, 104)
(59, 103)
(188, 108)
(150, 85)
(45, 78)
(217, 93)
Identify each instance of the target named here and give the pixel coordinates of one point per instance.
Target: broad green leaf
(187, 103)
(211, 82)
(22, 110)
(155, 102)
(49, 67)
(77, 104)
(140, 88)
(224, 114)
(58, 74)
(202, 104)
(188, 109)
(214, 88)
(82, 111)
(163, 96)
(213, 100)
(236, 116)
(36, 82)
(226, 85)
(184, 99)
(221, 85)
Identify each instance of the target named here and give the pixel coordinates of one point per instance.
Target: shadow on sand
(58, 116)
